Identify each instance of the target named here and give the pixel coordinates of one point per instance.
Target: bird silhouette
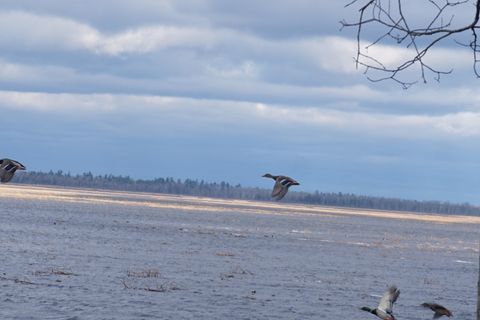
(282, 183)
(8, 168)
(384, 309)
(438, 310)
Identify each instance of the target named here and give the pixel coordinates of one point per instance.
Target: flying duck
(8, 168)
(438, 310)
(282, 183)
(384, 309)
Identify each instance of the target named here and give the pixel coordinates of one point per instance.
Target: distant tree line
(226, 190)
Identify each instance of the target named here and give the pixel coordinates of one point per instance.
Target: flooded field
(79, 254)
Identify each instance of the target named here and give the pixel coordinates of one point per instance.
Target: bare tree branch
(390, 21)
(393, 25)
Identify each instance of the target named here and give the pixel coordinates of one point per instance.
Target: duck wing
(18, 165)
(388, 299)
(9, 164)
(3, 170)
(290, 182)
(444, 311)
(438, 309)
(8, 168)
(283, 191)
(278, 187)
(6, 176)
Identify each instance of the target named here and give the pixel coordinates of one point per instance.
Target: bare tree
(397, 22)
(392, 22)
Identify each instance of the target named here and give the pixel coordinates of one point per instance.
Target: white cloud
(461, 124)
(243, 82)
(437, 99)
(247, 69)
(43, 32)
(29, 31)
(148, 39)
(439, 58)
(58, 103)
(23, 73)
(224, 63)
(334, 54)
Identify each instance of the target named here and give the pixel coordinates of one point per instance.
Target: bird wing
(6, 176)
(268, 175)
(10, 166)
(438, 309)
(3, 172)
(278, 187)
(388, 299)
(282, 192)
(290, 181)
(18, 165)
(281, 187)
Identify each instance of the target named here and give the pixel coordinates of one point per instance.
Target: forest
(226, 190)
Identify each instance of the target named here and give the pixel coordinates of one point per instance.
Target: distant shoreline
(225, 190)
(194, 203)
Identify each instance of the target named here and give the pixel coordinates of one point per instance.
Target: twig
(393, 21)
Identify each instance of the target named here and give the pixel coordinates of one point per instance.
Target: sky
(227, 90)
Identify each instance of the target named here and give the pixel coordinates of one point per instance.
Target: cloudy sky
(226, 91)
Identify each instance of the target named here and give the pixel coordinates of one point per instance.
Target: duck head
(369, 310)
(379, 313)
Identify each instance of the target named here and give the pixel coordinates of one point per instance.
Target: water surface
(78, 254)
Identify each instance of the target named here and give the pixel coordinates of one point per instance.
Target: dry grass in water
(53, 271)
(162, 287)
(148, 280)
(147, 273)
(26, 281)
(224, 254)
(237, 271)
